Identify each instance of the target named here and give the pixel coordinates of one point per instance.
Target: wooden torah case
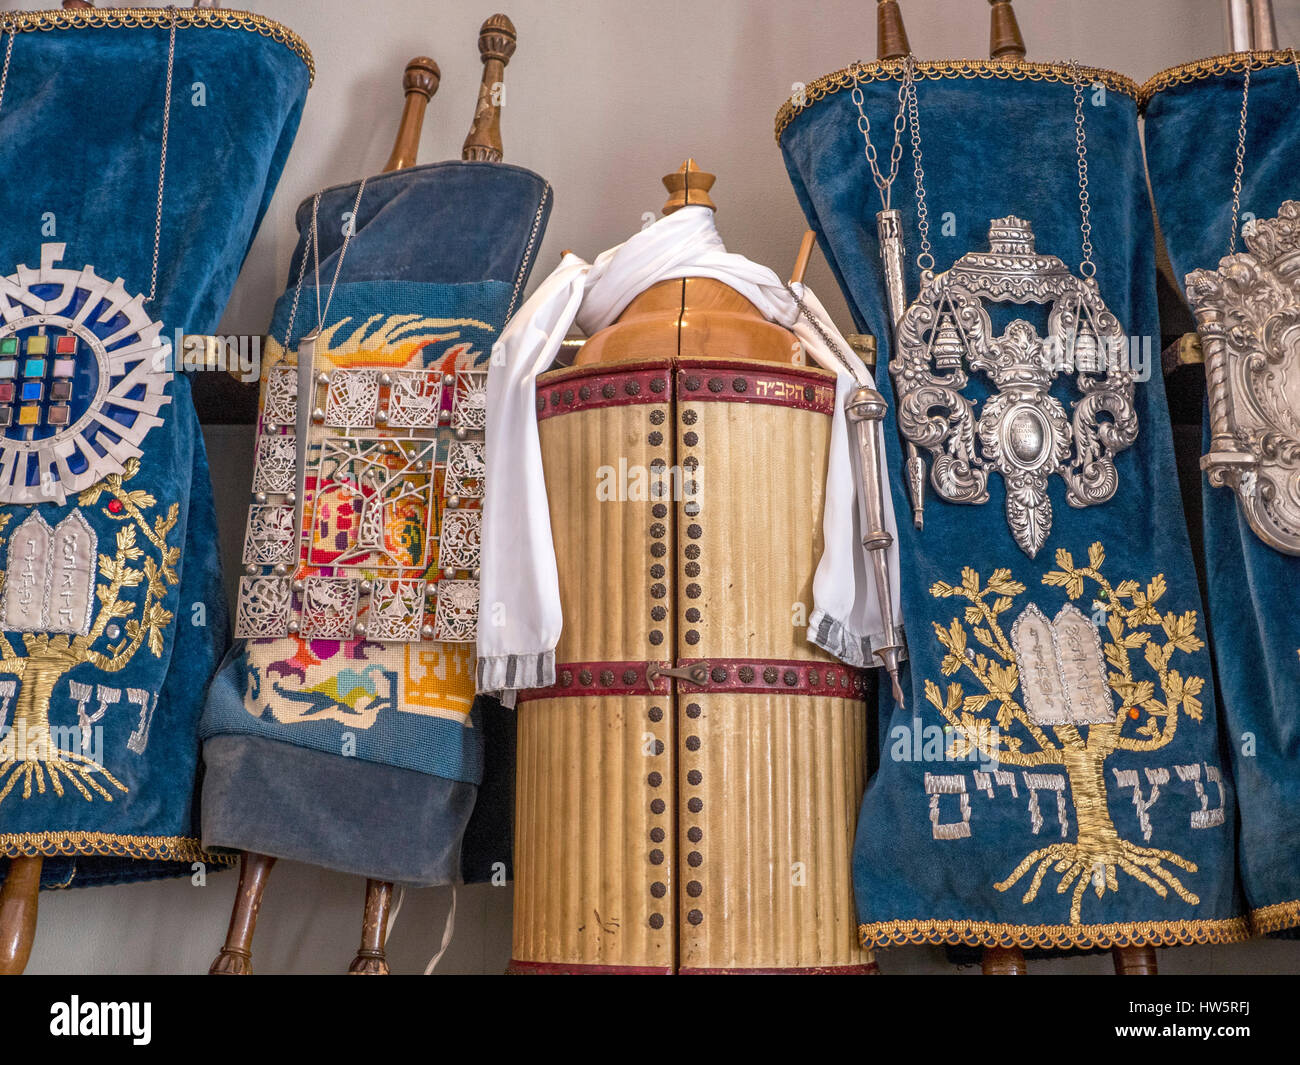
(687, 791)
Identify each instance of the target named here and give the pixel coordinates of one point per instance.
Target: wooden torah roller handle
(18, 903)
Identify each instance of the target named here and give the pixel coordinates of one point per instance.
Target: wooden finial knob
(421, 75)
(497, 39)
(420, 81)
(891, 34)
(1005, 41)
(496, 44)
(689, 186)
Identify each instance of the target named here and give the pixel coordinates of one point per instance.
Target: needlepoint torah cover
(1248, 311)
(344, 731)
(1055, 779)
(111, 608)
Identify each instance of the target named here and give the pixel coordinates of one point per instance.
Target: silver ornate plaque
(1248, 316)
(384, 543)
(1022, 430)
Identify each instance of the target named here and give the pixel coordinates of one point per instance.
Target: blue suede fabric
(1028, 850)
(298, 760)
(1192, 129)
(81, 126)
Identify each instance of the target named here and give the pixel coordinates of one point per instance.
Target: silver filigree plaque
(1021, 430)
(1248, 317)
(383, 544)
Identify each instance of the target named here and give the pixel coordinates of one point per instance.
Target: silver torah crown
(1021, 431)
(1248, 316)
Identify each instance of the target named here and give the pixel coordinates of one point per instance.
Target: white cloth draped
(519, 606)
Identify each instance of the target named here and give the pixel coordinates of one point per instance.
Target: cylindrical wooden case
(688, 825)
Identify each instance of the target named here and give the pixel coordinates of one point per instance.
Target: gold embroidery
(1276, 918)
(1085, 937)
(28, 752)
(1213, 67)
(947, 69)
(1098, 852)
(160, 18)
(108, 844)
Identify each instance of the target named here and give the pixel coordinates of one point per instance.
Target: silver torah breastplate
(84, 372)
(384, 544)
(1021, 430)
(1248, 317)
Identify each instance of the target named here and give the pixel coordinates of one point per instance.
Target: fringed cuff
(502, 673)
(834, 637)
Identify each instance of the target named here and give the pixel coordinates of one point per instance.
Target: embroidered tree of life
(1065, 715)
(121, 623)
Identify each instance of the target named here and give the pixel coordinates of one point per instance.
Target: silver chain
(833, 347)
(1239, 170)
(313, 249)
(9, 28)
(302, 269)
(162, 160)
(1087, 268)
(884, 184)
(924, 260)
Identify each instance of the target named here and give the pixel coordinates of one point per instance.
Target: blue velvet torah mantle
(112, 617)
(371, 756)
(1055, 779)
(1193, 115)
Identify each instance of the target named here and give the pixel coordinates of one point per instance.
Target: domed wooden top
(688, 186)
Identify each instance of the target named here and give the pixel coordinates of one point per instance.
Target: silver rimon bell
(946, 348)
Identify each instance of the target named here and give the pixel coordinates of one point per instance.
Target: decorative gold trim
(160, 17)
(1049, 936)
(108, 844)
(1279, 917)
(1212, 67)
(945, 69)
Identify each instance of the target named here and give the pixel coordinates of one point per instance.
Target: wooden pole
(236, 957)
(1005, 41)
(891, 34)
(18, 902)
(1134, 961)
(419, 83)
(1003, 961)
(496, 44)
(370, 959)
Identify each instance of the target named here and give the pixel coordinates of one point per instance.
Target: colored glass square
(57, 415)
(6, 391)
(66, 345)
(8, 367)
(38, 345)
(64, 367)
(31, 391)
(60, 391)
(6, 416)
(29, 415)
(9, 346)
(34, 368)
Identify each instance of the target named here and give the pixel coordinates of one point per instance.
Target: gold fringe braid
(1276, 918)
(1213, 67)
(1082, 936)
(948, 69)
(160, 18)
(108, 844)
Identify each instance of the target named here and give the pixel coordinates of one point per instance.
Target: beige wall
(603, 98)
